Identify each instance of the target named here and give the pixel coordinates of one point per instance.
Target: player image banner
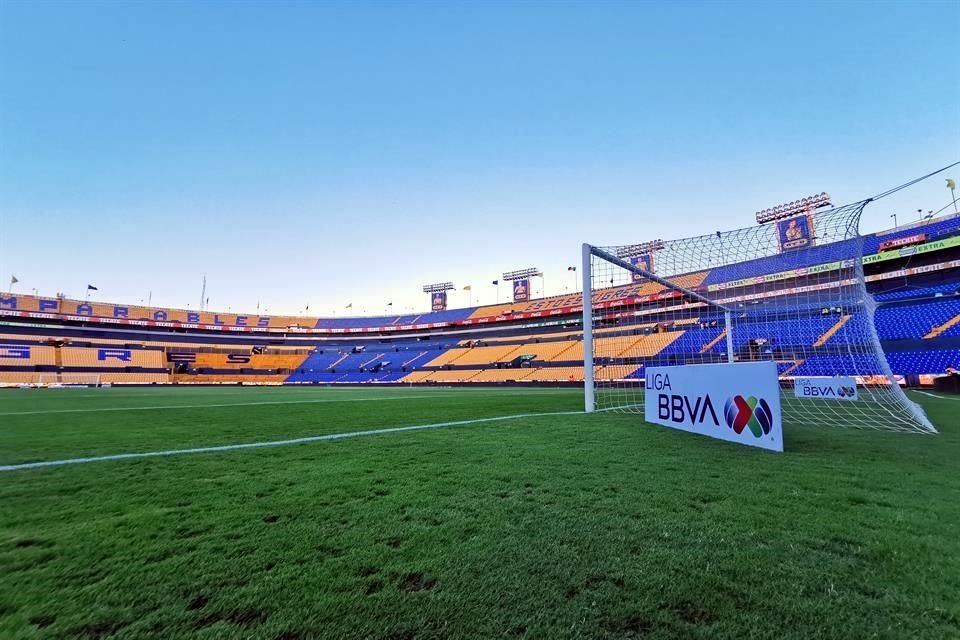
(521, 290)
(835, 388)
(645, 262)
(795, 233)
(438, 301)
(734, 402)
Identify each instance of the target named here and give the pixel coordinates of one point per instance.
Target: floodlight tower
(526, 274)
(798, 207)
(438, 294)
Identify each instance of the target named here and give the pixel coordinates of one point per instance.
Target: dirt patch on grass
(26, 543)
(599, 579)
(691, 613)
(373, 587)
(416, 582)
(329, 551)
(393, 543)
(42, 622)
(271, 519)
(631, 626)
(197, 602)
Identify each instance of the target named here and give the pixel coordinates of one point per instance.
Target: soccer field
(540, 526)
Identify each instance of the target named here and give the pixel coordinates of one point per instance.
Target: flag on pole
(350, 306)
(90, 287)
(495, 282)
(389, 304)
(13, 280)
(951, 184)
(571, 268)
(468, 288)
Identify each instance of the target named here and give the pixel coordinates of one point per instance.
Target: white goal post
(60, 380)
(765, 293)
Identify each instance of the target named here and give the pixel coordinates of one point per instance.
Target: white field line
(272, 443)
(214, 405)
(933, 395)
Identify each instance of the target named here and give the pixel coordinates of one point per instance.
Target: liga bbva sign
(836, 388)
(734, 402)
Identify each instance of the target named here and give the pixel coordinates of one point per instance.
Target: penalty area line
(274, 443)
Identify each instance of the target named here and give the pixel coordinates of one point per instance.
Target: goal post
(764, 293)
(68, 379)
(589, 252)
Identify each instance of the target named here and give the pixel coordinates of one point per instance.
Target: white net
(796, 294)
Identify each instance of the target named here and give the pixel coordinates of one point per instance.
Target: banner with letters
(795, 233)
(834, 388)
(521, 290)
(645, 262)
(738, 403)
(438, 301)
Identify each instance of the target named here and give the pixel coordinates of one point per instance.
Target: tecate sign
(734, 402)
(835, 388)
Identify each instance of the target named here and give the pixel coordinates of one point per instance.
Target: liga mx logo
(752, 413)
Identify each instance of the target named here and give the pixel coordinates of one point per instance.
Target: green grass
(548, 527)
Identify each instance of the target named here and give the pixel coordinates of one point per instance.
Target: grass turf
(547, 527)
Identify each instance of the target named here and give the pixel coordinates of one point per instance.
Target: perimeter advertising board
(738, 402)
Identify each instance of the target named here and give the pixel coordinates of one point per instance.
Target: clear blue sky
(327, 153)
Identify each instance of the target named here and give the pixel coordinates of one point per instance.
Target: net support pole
(728, 325)
(588, 402)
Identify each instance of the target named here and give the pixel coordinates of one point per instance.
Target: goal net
(791, 291)
(59, 380)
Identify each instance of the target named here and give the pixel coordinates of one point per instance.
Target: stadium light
(789, 209)
(642, 249)
(440, 286)
(520, 274)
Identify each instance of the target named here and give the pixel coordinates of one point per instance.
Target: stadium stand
(918, 319)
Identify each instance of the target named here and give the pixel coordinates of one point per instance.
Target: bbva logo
(751, 413)
(827, 391)
(681, 409)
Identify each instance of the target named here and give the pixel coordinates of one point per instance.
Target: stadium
(401, 536)
(546, 321)
(912, 272)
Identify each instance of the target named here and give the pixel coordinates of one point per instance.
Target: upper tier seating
(450, 315)
(915, 321)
